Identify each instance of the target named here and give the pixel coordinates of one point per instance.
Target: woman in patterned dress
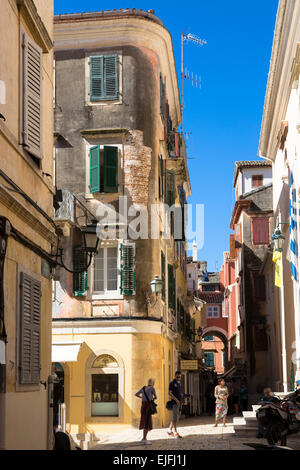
(221, 394)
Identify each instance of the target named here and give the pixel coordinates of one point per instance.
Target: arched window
(105, 385)
(105, 361)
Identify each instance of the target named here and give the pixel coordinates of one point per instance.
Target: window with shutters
(209, 359)
(128, 268)
(161, 178)
(171, 287)
(80, 261)
(257, 181)
(103, 166)
(260, 230)
(30, 317)
(103, 78)
(162, 98)
(170, 187)
(106, 270)
(163, 273)
(31, 114)
(258, 286)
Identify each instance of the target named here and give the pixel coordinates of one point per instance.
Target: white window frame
(106, 294)
(88, 146)
(88, 102)
(209, 308)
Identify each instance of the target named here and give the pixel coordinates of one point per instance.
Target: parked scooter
(281, 418)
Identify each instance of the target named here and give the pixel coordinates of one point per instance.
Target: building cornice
(139, 32)
(283, 67)
(240, 205)
(69, 326)
(33, 19)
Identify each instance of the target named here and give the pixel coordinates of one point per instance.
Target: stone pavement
(198, 434)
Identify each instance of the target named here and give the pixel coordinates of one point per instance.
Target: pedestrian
(61, 439)
(221, 395)
(244, 396)
(147, 394)
(235, 396)
(176, 399)
(269, 397)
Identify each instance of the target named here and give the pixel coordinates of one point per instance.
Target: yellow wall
(26, 411)
(142, 355)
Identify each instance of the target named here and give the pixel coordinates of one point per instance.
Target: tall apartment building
(117, 110)
(27, 231)
(252, 223)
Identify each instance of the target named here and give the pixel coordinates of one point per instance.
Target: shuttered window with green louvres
(104, 80)
(128, 268)
(163, 273)
(94, 169)
(171, 287)
(30, 317)
(170, 188)
(104, 165)
(79, 278)
(111, 169)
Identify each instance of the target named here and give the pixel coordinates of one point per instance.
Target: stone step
(249, 414)
(241, 428)
(239, 421)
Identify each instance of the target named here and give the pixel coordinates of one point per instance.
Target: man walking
(176, 398)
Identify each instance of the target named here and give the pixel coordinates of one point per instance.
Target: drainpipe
(282, 321)
(50, 413)
(297, 300)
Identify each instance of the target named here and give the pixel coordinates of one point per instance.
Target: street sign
(189, 365)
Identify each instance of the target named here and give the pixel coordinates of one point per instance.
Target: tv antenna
(199, 42)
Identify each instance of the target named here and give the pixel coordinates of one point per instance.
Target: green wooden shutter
(170, 187)
(161, 180)
(96, 78)
(163, 272)
(111, 162)
(94, 169)
(111, 85)
(79, 279)
(162, 99)
(30, 315)
(171, 287)
(128, 268)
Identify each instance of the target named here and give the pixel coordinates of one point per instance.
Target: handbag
(169, 405)
(153, 405)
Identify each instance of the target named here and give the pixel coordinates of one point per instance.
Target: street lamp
(156, 285)
(278, 239)
(90, 247)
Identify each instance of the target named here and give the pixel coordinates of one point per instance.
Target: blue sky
(224, 117)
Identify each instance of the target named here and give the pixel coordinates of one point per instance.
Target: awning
(65, 352)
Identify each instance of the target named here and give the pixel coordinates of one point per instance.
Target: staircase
(246, 425)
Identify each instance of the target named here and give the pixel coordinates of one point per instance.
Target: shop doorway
(58, 390)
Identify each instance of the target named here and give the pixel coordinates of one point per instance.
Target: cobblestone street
(198, 434)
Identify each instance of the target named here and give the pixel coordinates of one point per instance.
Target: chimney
(195, 252)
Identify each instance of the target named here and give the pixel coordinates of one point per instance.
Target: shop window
(105, 387)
